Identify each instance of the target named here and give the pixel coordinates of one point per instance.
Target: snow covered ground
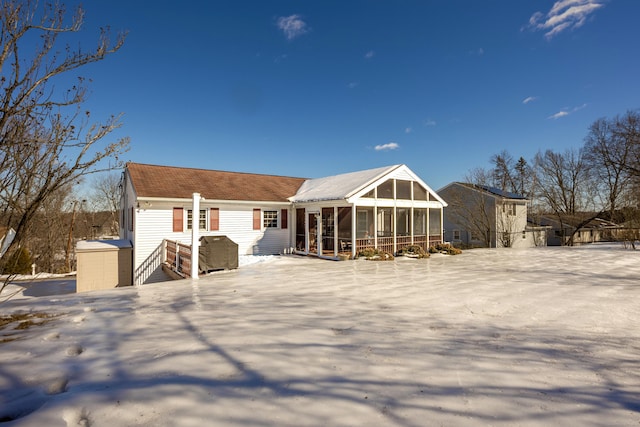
(532, 337)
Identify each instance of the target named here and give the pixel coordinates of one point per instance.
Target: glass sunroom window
(403, 222)
(419, 222)
(385, 222)
(403, 190)
(419, 192)
(370, 195)
(385, 190)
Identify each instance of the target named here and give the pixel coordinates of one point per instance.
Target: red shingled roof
(174, 182)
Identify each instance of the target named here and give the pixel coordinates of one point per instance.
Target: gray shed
(217, 253)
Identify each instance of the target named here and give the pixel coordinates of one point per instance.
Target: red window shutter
(214, 219)
(256, 219)
(178, 220)
(284, 218)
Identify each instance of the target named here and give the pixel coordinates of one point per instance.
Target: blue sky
(317, 88)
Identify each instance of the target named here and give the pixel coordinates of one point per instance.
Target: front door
(313, 233)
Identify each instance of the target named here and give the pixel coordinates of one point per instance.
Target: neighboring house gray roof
(501, 193)
(493, 191)
(572, 221)
(338, 187)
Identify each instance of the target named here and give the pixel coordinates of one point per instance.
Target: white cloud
(564, 14)
(430, 122)
(477, 52)
(292, 26)
(353, 85)
(408, 130)
(558, 115)
(386, 147)
(369, 54)
(529, 99)
(566, 111)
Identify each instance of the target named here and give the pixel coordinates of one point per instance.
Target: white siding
(401, 173)
(152, 226)
(236, 222)
(155, 224)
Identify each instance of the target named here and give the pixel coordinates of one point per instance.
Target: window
(456, 234)
(362, 218)
(385, 190)
(419, 192)
(385, 222)
(419, 222)
(403, 190)
(270, 219)
(509, 208)
(202, 219)
(403, 224)
(370, 195)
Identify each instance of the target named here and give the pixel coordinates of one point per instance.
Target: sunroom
(387, 209)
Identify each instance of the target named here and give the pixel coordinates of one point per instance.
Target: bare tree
(627, 129)
(48, 232)
(47, 140)
(524, 178)
(564, 186)
(563, 180)
(105, 197)
(503, 167)
(511, 175)
(98, 215)
(608, 152)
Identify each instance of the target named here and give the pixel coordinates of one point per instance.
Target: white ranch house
(386, 208)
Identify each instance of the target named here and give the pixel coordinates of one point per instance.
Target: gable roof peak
(338, 187)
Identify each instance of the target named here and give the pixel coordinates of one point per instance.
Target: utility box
(103, 264)
(217, 253)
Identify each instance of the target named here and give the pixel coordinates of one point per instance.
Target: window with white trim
(202, 219)
(270, 219)
(456, 234)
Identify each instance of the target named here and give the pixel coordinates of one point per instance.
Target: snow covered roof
(338, 187)
(102, 245)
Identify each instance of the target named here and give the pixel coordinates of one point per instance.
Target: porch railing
(178, 257)
(433, 239)
(386, 243)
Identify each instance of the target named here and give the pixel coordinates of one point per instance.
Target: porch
(332, 232)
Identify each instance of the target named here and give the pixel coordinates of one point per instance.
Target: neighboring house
(563, 227)
(483, 216)
(386, 208)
